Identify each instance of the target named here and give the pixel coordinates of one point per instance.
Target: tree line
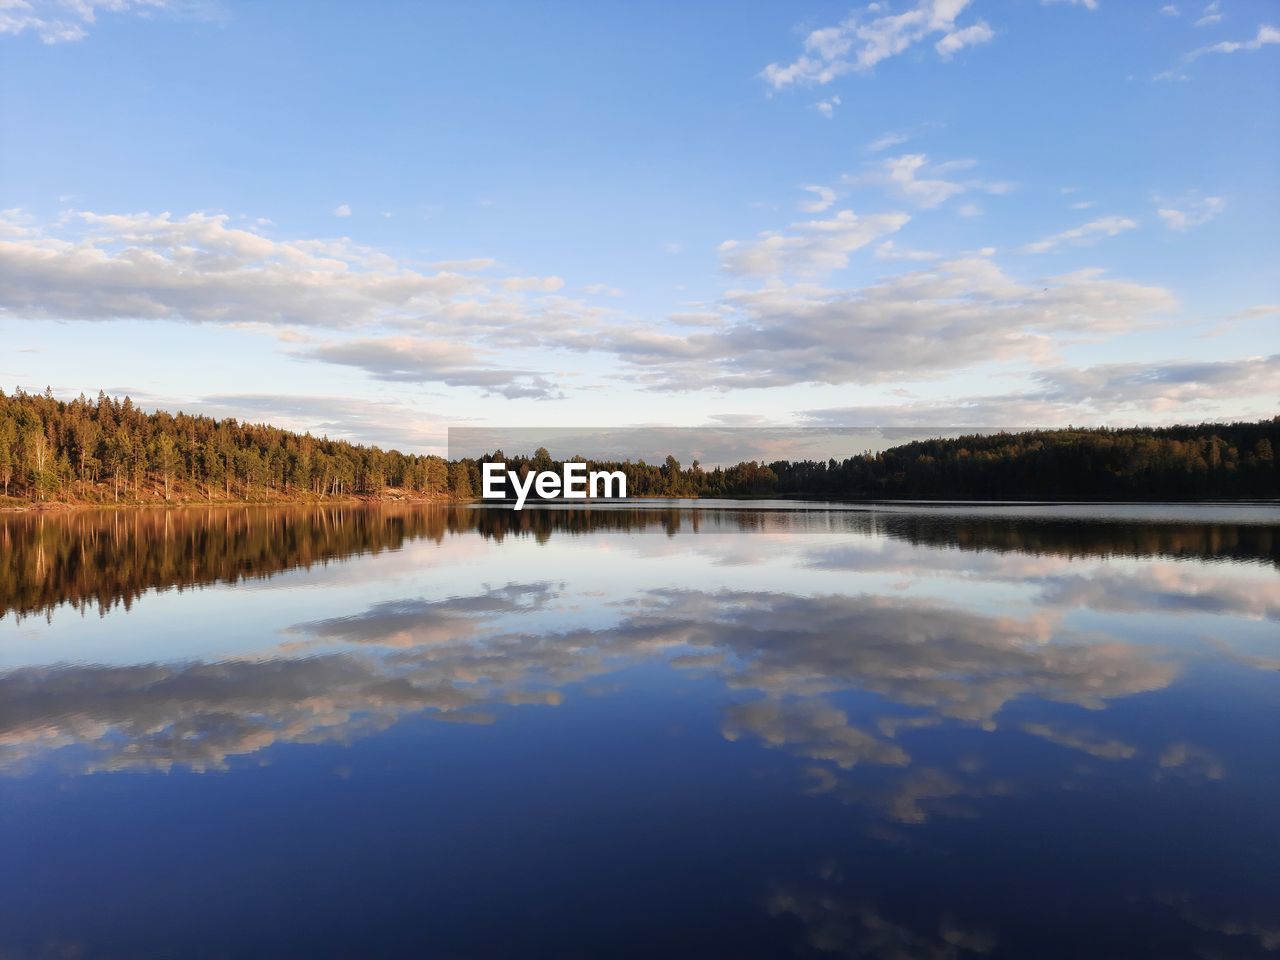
(1204, 462)
(108, 450)
(1209, 461)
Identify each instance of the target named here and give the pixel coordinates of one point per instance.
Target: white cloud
(413, 360)
(870, 36)
(813, 246)
(827, 107)
(956, 41)
(381, 422)
(459, 328)
(1212, 14)
(1164, 387)
(913, 178)
(533, 284)
(697, 316)
(1192, 213)
(1266, 35)
(1083, 235)
(824, 197)
(342, 210)
(202, 269)
(1087, 4)
(1169, 10)
(902, 174)
(1254, 313)
(60, 21)
(886, 141)
(468, 265)
(912, 326)
(891, 251)
(1153, 392)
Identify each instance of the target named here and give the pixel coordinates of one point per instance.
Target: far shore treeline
(109, 451)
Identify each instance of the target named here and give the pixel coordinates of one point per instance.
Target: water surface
(657, 729)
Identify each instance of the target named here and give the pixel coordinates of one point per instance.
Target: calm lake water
(641, 731)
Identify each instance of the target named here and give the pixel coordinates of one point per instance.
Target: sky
(379, 220)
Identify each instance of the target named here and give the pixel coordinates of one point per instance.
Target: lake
(641, 730)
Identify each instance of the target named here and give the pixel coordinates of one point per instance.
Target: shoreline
(13, 505)
(800, 501)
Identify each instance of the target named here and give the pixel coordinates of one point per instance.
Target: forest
(109, 451)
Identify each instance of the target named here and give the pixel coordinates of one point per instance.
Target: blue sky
(377, 220)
